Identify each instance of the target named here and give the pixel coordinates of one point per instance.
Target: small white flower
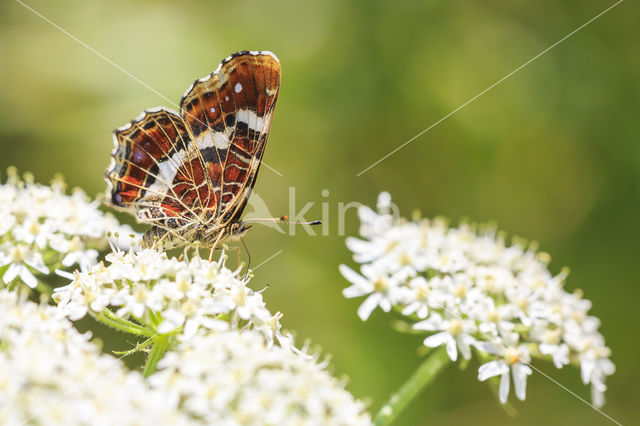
(31, 231)
(495, 320)
(603, 368)
(551, 344)
(454, 333)
(515, 359)
(419, 297)
(19, 257)
(380, 288)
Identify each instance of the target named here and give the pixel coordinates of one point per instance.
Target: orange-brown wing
(148, 153)
(228, 116)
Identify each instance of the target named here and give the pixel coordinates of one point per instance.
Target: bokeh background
(551, 154)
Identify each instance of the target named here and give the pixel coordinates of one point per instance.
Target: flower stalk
(434, 363)
(110, 319)
(160, 346)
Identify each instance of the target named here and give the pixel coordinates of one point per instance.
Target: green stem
(424, 375)
(155, 318)
(108, 318)
(44, 288)
(139, 324)
(159, 348)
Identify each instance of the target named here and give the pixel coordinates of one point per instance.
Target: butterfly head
(232, 232)
(237, 230)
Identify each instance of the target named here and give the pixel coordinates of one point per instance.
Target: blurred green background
(551, 154)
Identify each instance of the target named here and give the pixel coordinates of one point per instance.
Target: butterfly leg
(215, 244)
(159, 239)
(153, 237)
(158, 244)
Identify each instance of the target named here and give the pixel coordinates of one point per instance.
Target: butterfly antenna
(283, 219)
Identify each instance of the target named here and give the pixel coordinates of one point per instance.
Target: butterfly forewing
(228, 115)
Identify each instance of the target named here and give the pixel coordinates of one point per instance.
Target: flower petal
(492, 369)
(437, 339)
(489, 347)
(360, 285)
(452, 349)
(11, 273)
(520, 372)
(27, 277)
(443, 338)
(464, 345)
(504, 386)
(367, 307)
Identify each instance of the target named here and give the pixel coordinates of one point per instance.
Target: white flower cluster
(235, 378)
(42, 228)
(221, 364)
(168, 295)
(469, 290)
(225, 371)
(52, 375)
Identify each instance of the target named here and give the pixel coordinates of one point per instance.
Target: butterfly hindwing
(147, 155)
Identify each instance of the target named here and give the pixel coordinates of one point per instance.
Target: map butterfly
(190, 174)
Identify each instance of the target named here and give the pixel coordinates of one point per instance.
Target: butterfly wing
(198, 168)
(148, 152)
(228, 115)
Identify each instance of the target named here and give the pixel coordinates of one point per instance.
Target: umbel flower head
(149, 293)
(43, 228)
(223, 366)
(470, 291)
(235, 378)
(52, 375)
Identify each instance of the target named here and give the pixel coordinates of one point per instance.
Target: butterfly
(189, 175)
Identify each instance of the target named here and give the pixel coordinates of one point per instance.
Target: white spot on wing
(238, 88)
(222, 77)
(167, 171)
(213, 110)
(220, 140)
(204, 140)
(251, 118)
(211, 139)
